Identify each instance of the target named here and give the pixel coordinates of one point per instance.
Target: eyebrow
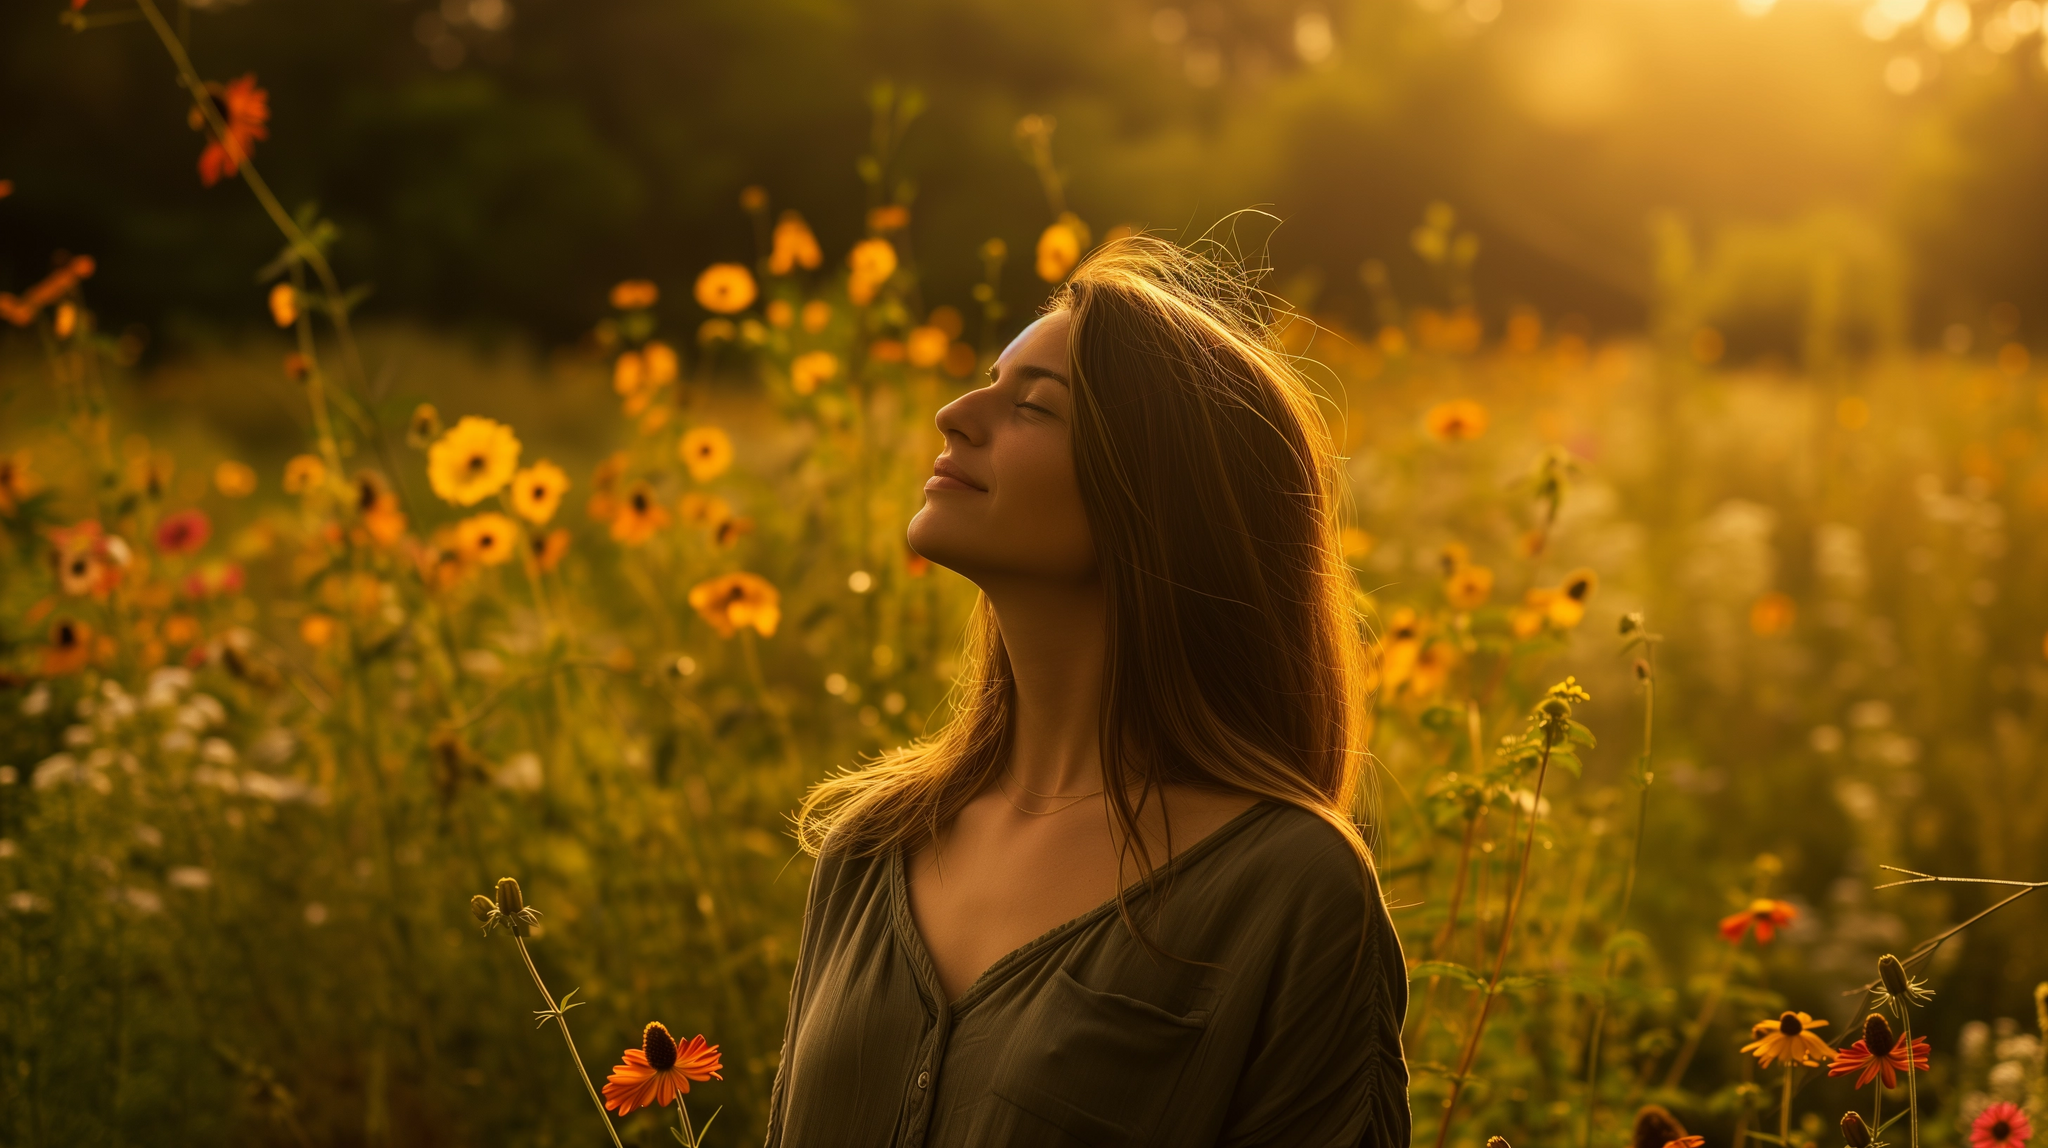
(1030, 371)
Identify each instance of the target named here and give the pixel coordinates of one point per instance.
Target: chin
(929, 538)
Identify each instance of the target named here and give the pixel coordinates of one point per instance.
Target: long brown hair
(1234, 653)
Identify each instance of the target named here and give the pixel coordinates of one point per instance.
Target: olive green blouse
(1083, 1036)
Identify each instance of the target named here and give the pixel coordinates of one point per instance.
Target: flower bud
(1877, 1035)
(1497, 1142)
(1855, 1133)
(1893, 974)
(509, 900)
(1631, 622)
(1555, 708)
(481, 908)
(1655, 1127)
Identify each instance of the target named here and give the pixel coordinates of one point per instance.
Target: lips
(947, 475)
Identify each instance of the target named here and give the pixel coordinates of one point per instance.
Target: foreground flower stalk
(508, 910)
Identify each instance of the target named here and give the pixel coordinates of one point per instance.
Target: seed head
(1655, 1127)
(1855, 1133)
(1899, 991)
(659, 1046)
(1877, 1035)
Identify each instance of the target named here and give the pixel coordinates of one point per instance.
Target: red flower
(657, 1072)
(183, 532)
(2002, 1125)
(243, 108)
(1879, 1053)
(1766, 915)
(214, 578)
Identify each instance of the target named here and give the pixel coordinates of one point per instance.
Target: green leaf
(1451, 969)
(1580, 734)
(1568, 761)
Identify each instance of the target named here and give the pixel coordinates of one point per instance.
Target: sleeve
(1325, 1068)
(799, 992)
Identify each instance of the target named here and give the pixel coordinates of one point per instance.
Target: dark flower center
(477, 462)
(1789, 1025)
(1877, 1036)
(67, 636)
(659, 1047)
(2001, 1130)
(639, 503)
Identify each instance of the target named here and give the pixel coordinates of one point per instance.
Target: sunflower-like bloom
(69, 649)
(537, 491)
(726, 288)
(243, 108)
(1468, 587)
(89, 560)
(1880, 1053)
(1457, 420)
(473, 461)
(1790, 1039)
(2002, 1125)
(733, 602)
(872, 262)
(707, 451)
(638, 516)
(793, 246)
(658, 1071)
(1765, 915)
(487, 539)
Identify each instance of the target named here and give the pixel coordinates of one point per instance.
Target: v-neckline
(927, 970)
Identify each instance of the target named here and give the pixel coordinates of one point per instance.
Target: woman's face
(1003, 501)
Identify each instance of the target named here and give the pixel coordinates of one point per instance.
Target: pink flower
(2002, 1125)
(183, 532)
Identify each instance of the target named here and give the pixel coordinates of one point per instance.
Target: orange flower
(894, 217)
(635, 294)
(69, 649)
(732, 602)
(816, 315)
(809, 369)
(639, 516)
(873, 261)
(1880, 1053)
(707, 451)
(1458, 419)
(18, 481)
(303, 473)
(658, 1072)
(604, 486)
(1772, 614)
(548, 551)
(927, 346)
(727, 288)
(1766, 915)
(1059, 247)
(486, 538)
(537, 491)
(728, 533)
(780, 313)
(793, 246)
(243, 108)
(89, 561)
(316, 630)
(234, 479)
(1790, 1039)
(703, 511)
(473, 460)
(378, 506)
(284, 305)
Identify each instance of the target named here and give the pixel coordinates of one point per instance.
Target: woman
(1119, 899)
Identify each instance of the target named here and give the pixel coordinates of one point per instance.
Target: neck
(1055, 638)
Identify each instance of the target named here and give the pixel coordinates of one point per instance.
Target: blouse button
(923, 1078)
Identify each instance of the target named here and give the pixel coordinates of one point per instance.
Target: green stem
(566, 1039)
(1785, 1111)
(1912, 1078)
(1628, 892)
(1500, 958)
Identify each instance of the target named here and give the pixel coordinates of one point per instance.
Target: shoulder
(1290, 869)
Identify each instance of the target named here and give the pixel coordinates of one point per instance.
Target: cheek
(1038, 497)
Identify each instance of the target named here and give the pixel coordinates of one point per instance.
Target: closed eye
(1036, 407)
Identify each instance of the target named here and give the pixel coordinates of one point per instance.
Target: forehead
(1042, 344)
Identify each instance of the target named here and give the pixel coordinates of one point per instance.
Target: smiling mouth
(946, 476)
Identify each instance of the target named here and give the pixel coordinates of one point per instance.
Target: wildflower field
(1709, 721)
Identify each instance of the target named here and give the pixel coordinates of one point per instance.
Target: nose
(965, 419)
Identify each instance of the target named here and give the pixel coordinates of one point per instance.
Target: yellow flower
(780, 313)
(812, 369)
(1527, 620)
(303, 473)
(635, 295)
(537, 491)
(727, 288)
(629, 374)
(1458, 419)
(704, 511)
(473, 461)
(284, 305)
(487, 538)
(873, 261)
(816, 315)
(733, 602)
(423, 427)
(1469, 587)
(661, 363)
(1059, 247)
(1788, 1038)
(793, 246)
(1568, 606)
(707, 452)
(927, 346)
(638, 516)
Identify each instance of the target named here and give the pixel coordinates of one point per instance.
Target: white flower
(179, 741)
(37, 702)
(9, 775)
(202, 711)
(77, 736)
(23, 901)
(142, 900)
(1975, 1037)
(2009, 1080)
(150, 835)
(316, 914)
(189, 877)
(7, 847)
(2025, 1046)
(58, 767)
(273, 745)
(217, 751)
(166, 684)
